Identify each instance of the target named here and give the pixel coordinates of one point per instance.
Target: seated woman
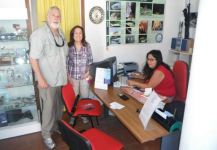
(157, 75)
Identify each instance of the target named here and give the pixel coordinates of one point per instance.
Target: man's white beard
(54, 25)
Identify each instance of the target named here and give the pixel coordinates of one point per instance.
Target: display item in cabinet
(3, 119)
(18, 102)
(17, 114)
(4, 97)
(6, 58)
(15, 76)
(19, 33)
(10, 56)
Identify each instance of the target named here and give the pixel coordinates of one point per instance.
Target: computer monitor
(110, 63)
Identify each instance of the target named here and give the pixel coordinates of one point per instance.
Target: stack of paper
(115, 105)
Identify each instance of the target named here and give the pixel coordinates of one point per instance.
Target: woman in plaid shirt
(78, 62)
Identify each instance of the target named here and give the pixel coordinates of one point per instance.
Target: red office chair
(180, 71)
(84, 107)
(91, 139)
(177, 106)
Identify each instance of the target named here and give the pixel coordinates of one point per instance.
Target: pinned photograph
(130, 10)
(142, 38)
(157, 25)
(115, 5)
(130, 23)
(115, 40)
(158, 9)
(130, 39)
(128, 30)
(115, 15)
(114, 31)
(145, 9)
(143, 27)
(115, 23)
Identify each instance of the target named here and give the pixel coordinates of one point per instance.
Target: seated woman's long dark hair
(147, 71)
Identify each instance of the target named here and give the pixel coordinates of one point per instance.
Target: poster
(134, 21)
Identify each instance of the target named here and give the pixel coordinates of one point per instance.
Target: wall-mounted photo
(130, 39)
(145, 9)
(115, 5)
(158, 9)
(115, 40)
(157, 25)
(128, 30)
(115, 23)
(142, 38)
(130, 23)
(130, 10)
(114, 15)
(143, 27)
(114, 31)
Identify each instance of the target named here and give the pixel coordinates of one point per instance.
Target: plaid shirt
(78, 62)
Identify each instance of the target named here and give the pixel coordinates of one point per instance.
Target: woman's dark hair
(147, 71)
(72, 41)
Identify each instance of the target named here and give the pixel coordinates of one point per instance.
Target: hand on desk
(137, 75)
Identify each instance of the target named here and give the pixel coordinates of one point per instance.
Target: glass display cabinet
(18, 110)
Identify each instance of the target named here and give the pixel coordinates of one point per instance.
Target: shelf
(181, 52)
(11, 65)
(13, 40)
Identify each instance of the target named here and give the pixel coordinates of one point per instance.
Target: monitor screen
(110, 63)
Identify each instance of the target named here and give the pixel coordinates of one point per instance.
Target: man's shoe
(49, 143)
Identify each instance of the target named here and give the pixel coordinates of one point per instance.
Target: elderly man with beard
(48, 51)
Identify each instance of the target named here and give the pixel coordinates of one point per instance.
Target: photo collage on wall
(134, 21)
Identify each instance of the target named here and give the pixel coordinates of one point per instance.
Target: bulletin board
(134, 21)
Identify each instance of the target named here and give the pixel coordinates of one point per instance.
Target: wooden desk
(129, 117)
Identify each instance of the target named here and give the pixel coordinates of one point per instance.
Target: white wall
(131, 52)
(12, 3)
(200, 122)
(10, 9)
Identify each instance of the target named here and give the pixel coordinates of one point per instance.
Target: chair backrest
(73, 138)
(69, 98)
(180, 71)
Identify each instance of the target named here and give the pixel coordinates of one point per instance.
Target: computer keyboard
(136, 94)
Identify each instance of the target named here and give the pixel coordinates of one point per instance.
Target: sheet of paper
(115, 105)
(102, 78)
(149, 108)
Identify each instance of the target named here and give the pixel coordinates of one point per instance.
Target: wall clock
(96, 14)
(159, 37)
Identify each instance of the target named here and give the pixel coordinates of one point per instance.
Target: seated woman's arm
(156, 78)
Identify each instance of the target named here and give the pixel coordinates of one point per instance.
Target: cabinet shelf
(13, 40)
(181, 52)
(16, 85)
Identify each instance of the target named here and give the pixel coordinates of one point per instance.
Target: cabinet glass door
(18, 108)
